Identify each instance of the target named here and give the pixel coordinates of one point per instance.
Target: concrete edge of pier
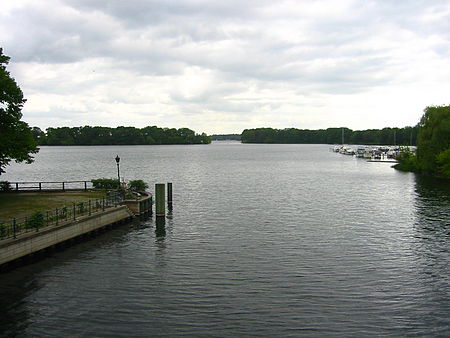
(32, 242)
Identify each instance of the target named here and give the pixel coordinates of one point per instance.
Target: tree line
(226, 137)
(88, 135)
(385, 136)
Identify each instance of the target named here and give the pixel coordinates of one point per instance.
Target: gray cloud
(138, 13)
(228, 57)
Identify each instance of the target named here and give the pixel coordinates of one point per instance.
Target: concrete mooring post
(160, 199)
(169, 196)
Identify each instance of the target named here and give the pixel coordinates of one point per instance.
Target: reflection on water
(432, 249)
(433, 203)
(160, 228)
(15, 290)
(432, 206)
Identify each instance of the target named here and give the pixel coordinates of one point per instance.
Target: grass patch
(21, 204)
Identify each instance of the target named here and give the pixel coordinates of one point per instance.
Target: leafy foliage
(80, 207)
(111, 183)
(407, 160)
(137, 185)
(434, 139)
(3, 230)
(16, 138)
(223, 137)
(131, 195)
(105, 183)
(433, 146)
(121, 135)
(443, 161)
(5, 186)
(386, 136)
(35, 221)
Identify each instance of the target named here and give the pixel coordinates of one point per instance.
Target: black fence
(58, 216)
(45, 186)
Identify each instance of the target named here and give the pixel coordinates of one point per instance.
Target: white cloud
(226, 66)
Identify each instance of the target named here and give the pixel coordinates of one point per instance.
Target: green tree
(443, 160)
(39, 135)
(127, 135)
(121, 135)
(16, 138)
(434, 140)
(407, 160)
(61, 136)
(137, 185)
(204, 139)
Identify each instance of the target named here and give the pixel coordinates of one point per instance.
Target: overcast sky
(222, 66)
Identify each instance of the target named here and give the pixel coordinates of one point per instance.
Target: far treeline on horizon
(153, 135)
(87, 135)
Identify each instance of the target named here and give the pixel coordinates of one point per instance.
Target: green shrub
(105, 183)
(5, 186)
(407, 160)
(80, 207)
(35, 221)
(131, 195)
(137, 185)
(63, 213)
(3, 230)
(98, 205)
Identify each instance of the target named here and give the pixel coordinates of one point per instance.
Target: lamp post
(118, 171)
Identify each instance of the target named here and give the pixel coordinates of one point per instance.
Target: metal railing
(40, 186)
(58, 216)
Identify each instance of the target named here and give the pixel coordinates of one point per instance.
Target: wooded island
(87, 135)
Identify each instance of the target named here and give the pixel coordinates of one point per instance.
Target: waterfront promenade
(20, 240)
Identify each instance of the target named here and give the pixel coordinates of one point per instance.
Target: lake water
(264, 240)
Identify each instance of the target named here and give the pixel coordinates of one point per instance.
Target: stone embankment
(29, 243)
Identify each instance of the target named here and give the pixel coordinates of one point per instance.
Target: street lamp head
(117, 159)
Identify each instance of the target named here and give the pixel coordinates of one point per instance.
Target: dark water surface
(264, 240)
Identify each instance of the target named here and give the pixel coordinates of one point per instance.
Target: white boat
(360, 152)
(393, 152)
(368, 152)
(348, 151)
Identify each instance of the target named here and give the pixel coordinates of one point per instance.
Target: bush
(63, 213)
(5, 186)
(407, 160)
(105, 183)
(407, 166)
(3, 230)
(131, 195)
(35, 221)
(80, 207)
(137, 185)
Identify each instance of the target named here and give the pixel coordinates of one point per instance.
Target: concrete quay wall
(141, 206)
(32, 242)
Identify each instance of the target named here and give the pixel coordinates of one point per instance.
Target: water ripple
(264, 240)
